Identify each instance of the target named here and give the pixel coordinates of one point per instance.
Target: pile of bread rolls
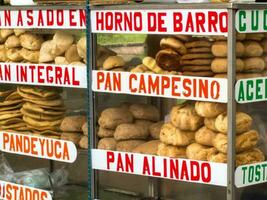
(24, 46)
(130, 128)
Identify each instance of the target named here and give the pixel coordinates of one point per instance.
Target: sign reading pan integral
(42, 18)
(161, 167)
(169, 86)
(251, 21)
(197, 22)
(11, 191)
(251, 90)
(251, 174)
(39, 147)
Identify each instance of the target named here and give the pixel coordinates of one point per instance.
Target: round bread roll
(61, 43)
(168, 59)
(254, 64)
(171, 151)
(31, 41)
(243, 123)
(145, 111)
(19, 32)
(12, 42)
(107, 144)
(130, 131)
(169, 134)
(81, 48)
(4, 33)
(46, 52)
(252, 49)
(112, 117)
(210, 123)
(129, 145)
(31, 56)
(73, 123)
(197, 151)
(84, 142)
(219, 49)
(72, 55)
(3, 53)
(145, 123)
(264, 45)
(220, 65)
(205, 136)
(14, 55)
(155, 128)
(249, 157)
(217, 157)
(105, 133)
(150, 148)
(139, 69)
(244, 141)
(174, 44)
(186, 118)
(73, 137)
(209, 109)
(113, 62)
(85, 128)
(60, 60)
(152, 65)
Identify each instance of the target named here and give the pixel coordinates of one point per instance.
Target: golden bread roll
(84, 142)
(172, 43)
(73, 123)
(139, 69)
(61, 43)
(219, 49)
(4, 33)
(31, 41)
(220, 65)
(210, 123)
(186, 118)
(73, 137)
(249, 157)
(81, 48)
(12, 42)
(19, 32)
(171, 151)
(46, 52)
(152, 65)
(129, 131)
(60, 60)
(3, 53)
(205, 136)
(197, 151)
(155, 128)
(252, 49)
(128, 145)
(107, 144)
(30, 56)
(254, 64)
(72, 55)
(150, 148)
(169, 134)
(243, 123)
(145, 111)
(14, 55)
(217, 157)
(85, 129)
(168, 59)
(113, 62)
(105, 133)
(112, 117)
(209, 109)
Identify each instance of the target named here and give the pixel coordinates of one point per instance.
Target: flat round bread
(40, 116)
(13, 96)
(37, 123)
(6, 93)
(11, 115)
(11, 121)
(52, 103)
(36, 97)
(13, 107)
(33, 108)
(11, 126)
(9, 112)
(9, 103)
(37, 91)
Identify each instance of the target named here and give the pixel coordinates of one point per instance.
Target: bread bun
(197, 151)
(220, 65)
(219, 49)
(171, 151)
(113, 62)
(205, 136)
(174, 44)
(168, 60)
(209, 109)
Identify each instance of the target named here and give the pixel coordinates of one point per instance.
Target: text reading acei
(251, 90)
(40, 147)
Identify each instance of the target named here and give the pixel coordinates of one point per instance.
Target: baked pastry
(85, 129)
(172, 43)
(254, 64)
(205, 136)
(31, 41)
(46, 52)
(220, 65)
(73, 123)
(186, 118)
(128, 131)
(3, 53)
(243, 123)
(128, 145)
(12, 42)
(252, 49)
(112, 117)
(171, 151)
(60, 60)
(73, 137)
(210, 123)
(217, 157)
(169, 134)
(197, 151)
(107, 144)
(255, 36)
(113, 62)
(209, 109)
(14, 55)
(62, 41)
(4, 33)
(30, 56)
(150, 148)
(81, 48)
(219, 49)
(139, 69)
(144, 111)
(168, 59)
(249, 157)
(154, 129)
(244, 141)
(152, 65)
(19, 32)
(72, 54)
(104, 133)
(84, 142)
(145, 123)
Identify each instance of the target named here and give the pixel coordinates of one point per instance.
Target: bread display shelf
(161, 167)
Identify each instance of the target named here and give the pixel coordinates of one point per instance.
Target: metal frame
(231, 105)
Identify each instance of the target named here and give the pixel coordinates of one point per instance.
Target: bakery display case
(177, 97)
(43, 104)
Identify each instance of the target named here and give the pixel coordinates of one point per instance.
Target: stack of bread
(128, 128)
(10, 114)
(22, 46)
(43, 109)
(197, 61)
(74, 129)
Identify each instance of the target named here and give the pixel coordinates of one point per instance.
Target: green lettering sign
(241, 95)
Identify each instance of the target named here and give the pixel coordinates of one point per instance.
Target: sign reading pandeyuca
(202, 22)
(163, 167)
(169, 86)
(251, 90)
(11, 191)
(48, 19)
(249, 21)
(44, 74)
(251, 174)
(40, 147)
